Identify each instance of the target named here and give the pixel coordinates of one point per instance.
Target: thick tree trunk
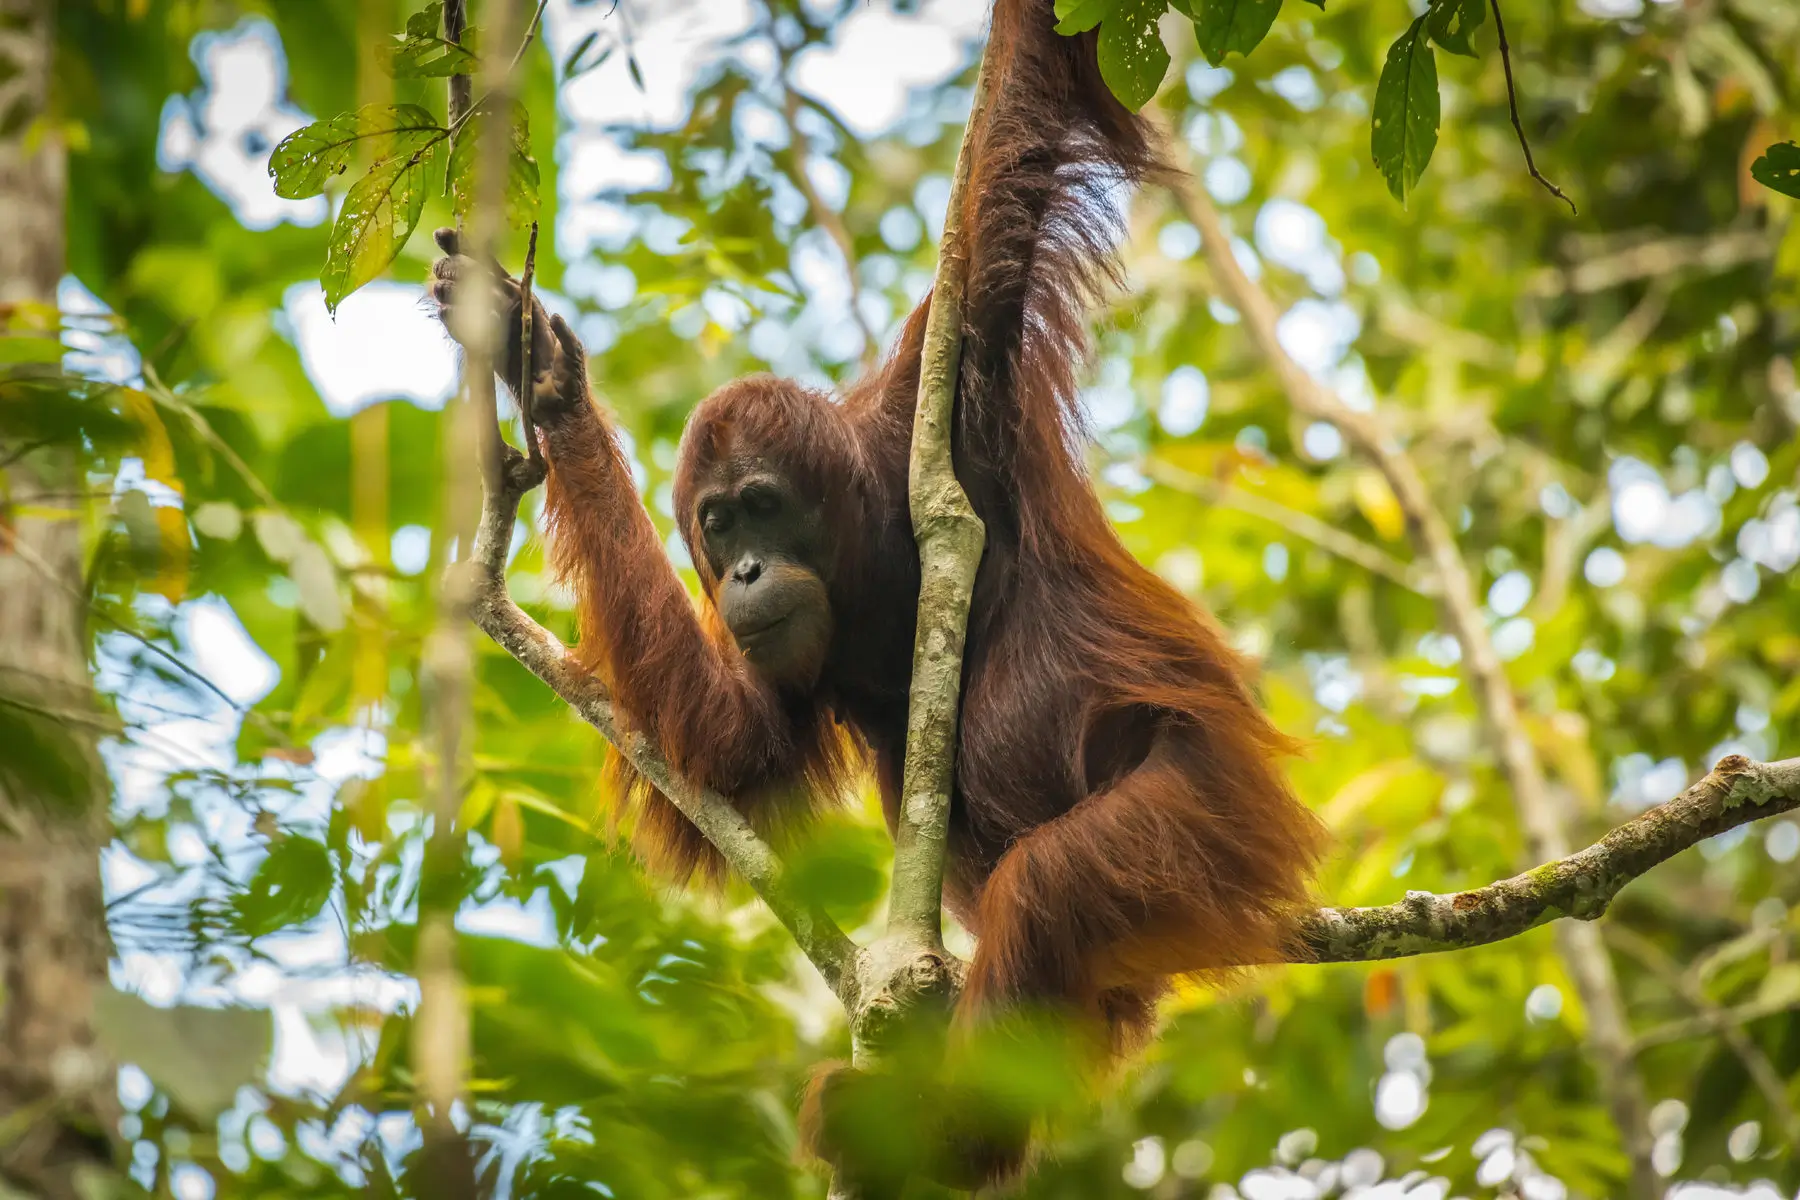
(56, 1085)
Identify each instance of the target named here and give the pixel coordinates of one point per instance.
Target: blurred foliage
(1605, 404)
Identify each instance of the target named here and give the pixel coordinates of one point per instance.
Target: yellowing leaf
(508, 830)
(1366, 788)
(1376, 502)
(379, 214)
(172, 563)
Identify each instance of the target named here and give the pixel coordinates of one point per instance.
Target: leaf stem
(1512, 103)
(527, 392)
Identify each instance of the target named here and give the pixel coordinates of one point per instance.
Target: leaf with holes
(379, 214)
(521, 195)
(1133, 59)
(1778, 168)
(427, 21)
(310, 157)
(1079, 16)
(1453, 22)
(424, 54)
(1406, 111)
(1227, 25)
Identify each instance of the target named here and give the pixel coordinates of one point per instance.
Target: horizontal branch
(540, 652)
(1705, 1024)
(1653, 260)
(1304, 526)
(1736, 792)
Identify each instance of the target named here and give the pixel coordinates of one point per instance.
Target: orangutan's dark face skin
(764, 543)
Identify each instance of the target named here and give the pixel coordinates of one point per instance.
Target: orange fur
(1120, 816)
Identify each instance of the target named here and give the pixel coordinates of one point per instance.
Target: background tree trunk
(56, 1085)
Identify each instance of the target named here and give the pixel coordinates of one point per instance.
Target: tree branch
(1302, 525)
(494, 612)
(441, 1032)
(1756, 1064)
(1653, 259)
(823, 215)
(1512, 104)
(1717, 1020)
(1584, 955)
(950, 538)
(1580, 885)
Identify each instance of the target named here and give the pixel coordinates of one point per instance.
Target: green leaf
(1079, 16)
(1453, 22)
(1227, 25)
(1133, 59)
(430, 58)
(521, 195)
(840, 866)
(1778, 168)
(427, 22)
(378, 216)
(289, 888)
(424, 53)
(582, 47)
(1406, 111)
(309, 158)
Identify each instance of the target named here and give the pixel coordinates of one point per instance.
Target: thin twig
(456, 22)
(1706, 1024)
(441, 1029)
(823, 215)
(530, 32)
(1302, 525)
(1756, 1064)
(527, 381)
(1512, 101)
(460, 118)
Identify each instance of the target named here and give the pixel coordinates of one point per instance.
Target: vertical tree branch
(534, 451)
(823, 215)
(1584, 954)
(58, 1096)
(950, 538)
(441, 1029)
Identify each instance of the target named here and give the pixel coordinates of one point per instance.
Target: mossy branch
(540, 652)
(950, 538)
(1582, 885)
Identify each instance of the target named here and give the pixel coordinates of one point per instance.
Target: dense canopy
(1597, 400)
